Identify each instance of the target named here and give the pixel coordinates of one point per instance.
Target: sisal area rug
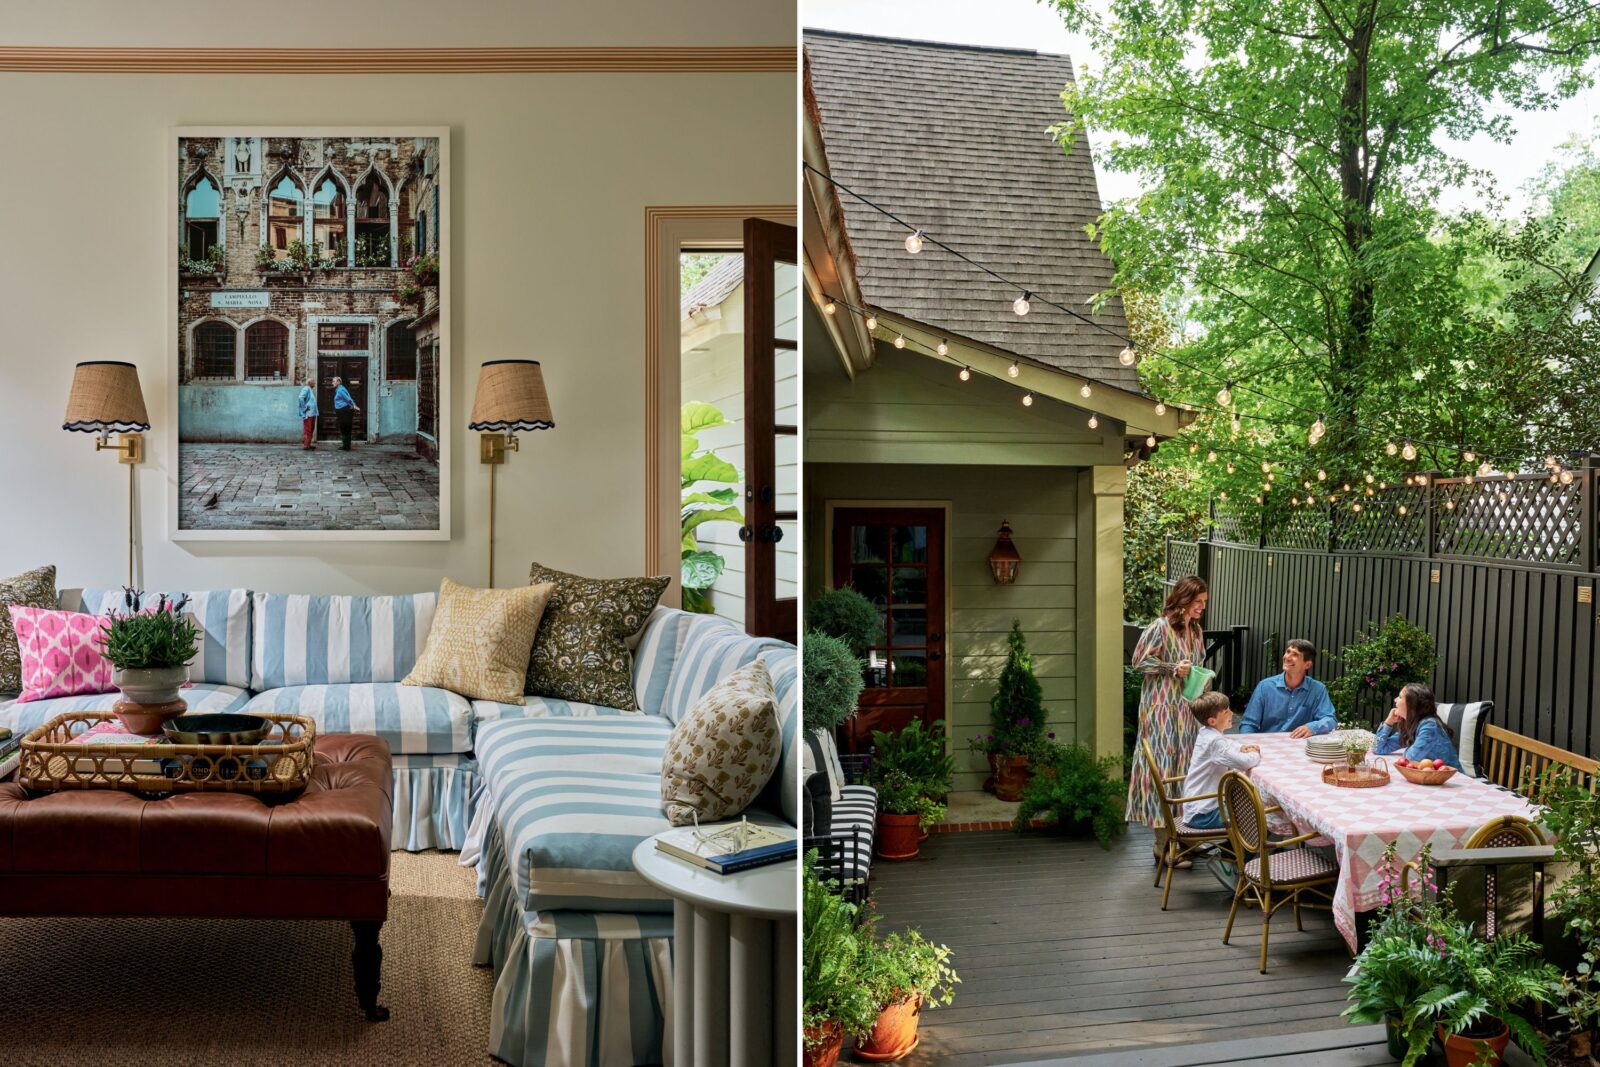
(160, 992)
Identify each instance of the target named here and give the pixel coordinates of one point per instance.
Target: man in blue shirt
(308, 413)
(1292, 702)
(344, 408)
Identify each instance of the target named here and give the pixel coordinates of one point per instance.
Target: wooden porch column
(1100, 604)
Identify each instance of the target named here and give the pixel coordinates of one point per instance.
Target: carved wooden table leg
(368, 961)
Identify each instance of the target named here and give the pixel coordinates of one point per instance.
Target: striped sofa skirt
(572, 988)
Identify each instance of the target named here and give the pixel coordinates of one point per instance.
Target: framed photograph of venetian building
(310, 274)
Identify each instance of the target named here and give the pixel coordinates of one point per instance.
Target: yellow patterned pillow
(480, 641)
(724, 751)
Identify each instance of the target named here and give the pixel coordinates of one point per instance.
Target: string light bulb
(1449, 505)
(1401, 509)
(1223, 495)
(943, 348)
(1230, 466)
(1126, 357)
(1566, 477)
(1086, 392)
(1225, 395)
(1322, 475)
(966, 374)
(899, 340)
(1484, 470)
(1469, 479)
(1469, 456)
(1266, 468)
(1306, 484)
(1161, 409)
(914, 242)
(1211, 456)
(1194, 446)
(1391, 448)
(1318, 429)
(1409, 452)
(1370, 479)
(1021, 304)
(1347, 487)
(829, 307)
(872, 323)
(1013, 370)
(1150, 442)
(1356, 507)
(1027, 399)
(1094, 424)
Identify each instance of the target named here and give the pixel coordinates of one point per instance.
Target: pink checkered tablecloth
(1361, 822)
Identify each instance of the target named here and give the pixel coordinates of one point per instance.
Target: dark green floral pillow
(35, 589)
(581, 650)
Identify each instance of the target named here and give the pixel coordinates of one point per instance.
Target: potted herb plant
(1016, 721)
(150, 652)
(904, 973)
(905, 810)
(835, 996)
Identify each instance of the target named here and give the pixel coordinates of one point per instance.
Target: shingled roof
(954, 139)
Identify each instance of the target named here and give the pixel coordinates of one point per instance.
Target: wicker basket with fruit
(1424, 771)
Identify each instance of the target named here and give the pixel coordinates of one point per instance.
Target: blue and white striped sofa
(581, 946)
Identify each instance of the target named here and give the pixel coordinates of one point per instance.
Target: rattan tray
(1367, 776)
(281, 764)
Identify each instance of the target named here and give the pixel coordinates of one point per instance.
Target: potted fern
(150, 652)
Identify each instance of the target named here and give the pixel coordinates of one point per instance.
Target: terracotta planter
(149, 697)
(825, 1054)
(1011, 776)
(894, 1035)
(1464, 1051)
(897, 836)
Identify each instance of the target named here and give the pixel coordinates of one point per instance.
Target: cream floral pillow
(724, 751)
(480, 641)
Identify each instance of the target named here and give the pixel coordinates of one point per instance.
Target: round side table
(734, 961)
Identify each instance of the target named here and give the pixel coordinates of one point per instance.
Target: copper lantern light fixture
(1003, 561)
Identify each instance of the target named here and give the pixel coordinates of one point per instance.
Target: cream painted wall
(552, 174)
(400, 23)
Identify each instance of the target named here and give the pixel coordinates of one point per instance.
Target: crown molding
(667, 60)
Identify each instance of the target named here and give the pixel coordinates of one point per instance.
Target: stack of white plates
(1325, 748)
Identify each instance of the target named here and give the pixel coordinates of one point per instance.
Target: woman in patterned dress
(1166, 649)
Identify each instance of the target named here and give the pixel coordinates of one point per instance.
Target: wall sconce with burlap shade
(510, 398)
(105, 400)
(1005, 559)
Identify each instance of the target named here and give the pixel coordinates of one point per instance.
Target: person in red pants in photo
(308, 414)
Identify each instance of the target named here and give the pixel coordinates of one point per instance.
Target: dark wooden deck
(1063, 950)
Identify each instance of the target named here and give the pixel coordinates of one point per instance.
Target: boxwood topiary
(846, 614)
(832, 681)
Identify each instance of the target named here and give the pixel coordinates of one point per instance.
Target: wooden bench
(1516, 762)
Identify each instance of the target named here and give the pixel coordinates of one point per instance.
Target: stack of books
(730, 847)
(112, 732)
(9, 743)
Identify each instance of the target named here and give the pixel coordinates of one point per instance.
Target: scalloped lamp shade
(511, 398)
(106, 399)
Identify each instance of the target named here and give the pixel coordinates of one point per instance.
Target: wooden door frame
(829, 506)
(667, 231)
(763, 609)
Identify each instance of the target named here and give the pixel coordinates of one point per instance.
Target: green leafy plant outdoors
(700, 567)
(1381, 661)
(211, 264)
(372, 250)
(1075, 792)
(831, 681)
(906, 966)
(162, 638)
(916, 751)
(833, 986)
(1016, 712)
(901, 794)
(846, 614)
(1572, 815)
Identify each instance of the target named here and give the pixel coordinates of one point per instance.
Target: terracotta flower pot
(826, 1052)
(1011, 776)
(149, 697)
(894, 1035)
(897, 836)
(1462, 1051)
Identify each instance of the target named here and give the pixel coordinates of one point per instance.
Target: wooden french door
(771, 431)
(895, 558)
(353, 371)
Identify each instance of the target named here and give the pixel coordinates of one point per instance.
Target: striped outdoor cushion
(1466, 725)
(572, 799)
(201, 697)
(412, 718)
(322, 640)
(222, 614)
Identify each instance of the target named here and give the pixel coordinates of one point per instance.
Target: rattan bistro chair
(1183, 842)
(1507, 831)
(1263, 874)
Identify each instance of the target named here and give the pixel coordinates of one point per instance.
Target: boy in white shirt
(1212, 756)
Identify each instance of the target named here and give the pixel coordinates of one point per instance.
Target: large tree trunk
(1349, 351)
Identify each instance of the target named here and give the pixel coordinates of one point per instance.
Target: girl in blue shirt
(1414, 728)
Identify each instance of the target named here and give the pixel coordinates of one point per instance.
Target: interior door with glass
(895, 558)
(771, 427)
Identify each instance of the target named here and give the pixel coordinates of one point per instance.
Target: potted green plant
(1572, 815)
(1494, 982)
(833, 991)
(831, 681)
(150, 653)
(905, 974)
(905, 810)
(920, 752)
(1016, 721)
(1356, 745)
(848, 615)
(1075, 792)
(1381, 661)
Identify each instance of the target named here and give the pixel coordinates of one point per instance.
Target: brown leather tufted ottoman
(321, 855)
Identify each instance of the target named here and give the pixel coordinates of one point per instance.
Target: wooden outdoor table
(1361, 823)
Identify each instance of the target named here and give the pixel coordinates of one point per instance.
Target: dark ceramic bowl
(216, 729)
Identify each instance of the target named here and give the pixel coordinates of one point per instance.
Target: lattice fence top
(1527, 519)
(1183, 558)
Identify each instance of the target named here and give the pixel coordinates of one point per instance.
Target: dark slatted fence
(1501, 572)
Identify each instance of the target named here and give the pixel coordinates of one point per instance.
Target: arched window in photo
(266, 351)
(202, 214)
(286, 212)
(330, 221)
(214, 356)
(372, 224)
(401, 344)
